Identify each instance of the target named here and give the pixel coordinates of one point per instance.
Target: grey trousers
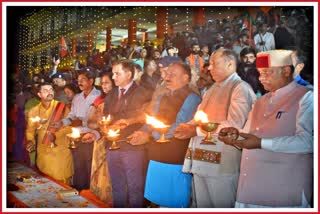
(214, 192)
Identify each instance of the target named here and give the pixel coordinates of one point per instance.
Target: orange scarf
(193, 62)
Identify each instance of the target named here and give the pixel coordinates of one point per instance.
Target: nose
(262, 77)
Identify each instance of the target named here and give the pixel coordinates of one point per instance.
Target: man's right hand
(185, 131)
(55, 62)
(30, 147)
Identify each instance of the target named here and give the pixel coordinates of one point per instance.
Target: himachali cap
(273, 58)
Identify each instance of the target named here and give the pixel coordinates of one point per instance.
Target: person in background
(59, 81)
(205, 80)
(205, 53)
(248, 72)
(248, 55)
(70, 91)
(298, 61)
(264, 40)
(194, 59)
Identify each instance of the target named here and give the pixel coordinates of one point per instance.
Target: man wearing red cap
(277, 158)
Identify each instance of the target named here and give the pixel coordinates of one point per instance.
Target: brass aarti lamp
(40, 122)
(74, 138)
(159, 127)
(202, 119)
(113, 135)
(104, 124)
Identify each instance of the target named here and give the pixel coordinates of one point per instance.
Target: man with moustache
(78, 117)
(277, 140)
(127, 164)
(55, 162)
(176, 106)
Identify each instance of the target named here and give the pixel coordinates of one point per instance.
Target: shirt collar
(126, 87)
(231, 77)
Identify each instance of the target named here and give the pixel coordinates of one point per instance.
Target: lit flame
(155, 123)
(108, 118)
(112, 133)
(202, 117)
(35, 119)
(75, 133)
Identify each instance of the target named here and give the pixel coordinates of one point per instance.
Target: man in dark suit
(126, 165)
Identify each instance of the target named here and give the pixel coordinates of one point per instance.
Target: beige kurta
(55, 162)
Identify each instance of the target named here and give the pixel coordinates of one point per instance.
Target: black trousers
(82, 159)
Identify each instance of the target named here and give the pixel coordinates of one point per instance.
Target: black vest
(170, 104)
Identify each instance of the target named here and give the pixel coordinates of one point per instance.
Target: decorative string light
(40, 32)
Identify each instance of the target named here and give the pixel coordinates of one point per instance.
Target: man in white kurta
(215, 168)
(263, 40)
(277, 160)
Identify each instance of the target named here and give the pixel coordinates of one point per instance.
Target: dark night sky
(13, 16)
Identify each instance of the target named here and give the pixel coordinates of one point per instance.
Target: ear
(300, 66)
(186, 78)
(92, 81)
(39, 95)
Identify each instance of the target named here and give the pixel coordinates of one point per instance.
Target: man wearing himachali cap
(277, 158)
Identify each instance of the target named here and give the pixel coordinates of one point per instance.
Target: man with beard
(78, 117)
(194, 59)
(243, 42)
(248, 72)
(57, 161)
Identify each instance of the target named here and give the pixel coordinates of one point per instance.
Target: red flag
(265, 9)
(247, 23)
(63, 47)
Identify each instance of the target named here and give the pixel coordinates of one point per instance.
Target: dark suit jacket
(131, 105)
